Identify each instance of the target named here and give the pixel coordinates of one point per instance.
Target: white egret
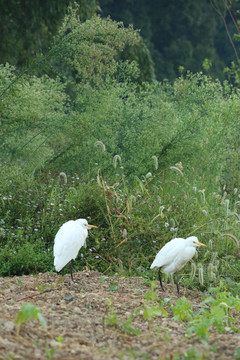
(174, 255)
(68, 241)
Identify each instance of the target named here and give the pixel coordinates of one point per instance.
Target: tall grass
(134, 222)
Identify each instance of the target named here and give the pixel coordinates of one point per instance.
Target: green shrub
(134, 221)
(22, 257)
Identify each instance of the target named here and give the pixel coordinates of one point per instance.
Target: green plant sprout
(50, 351)
(110, 319)
(29, 312)
(113, 286)
(182, 311)
(43, 287)
(217, 312)
(152, 307)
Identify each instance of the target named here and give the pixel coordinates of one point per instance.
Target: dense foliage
(27, 27)
(179, 33)
(168, 155)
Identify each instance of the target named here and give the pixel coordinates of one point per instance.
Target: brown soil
(76, 312)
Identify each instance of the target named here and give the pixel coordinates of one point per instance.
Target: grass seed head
(200, 274)
(63, 178)
(116, 158)
(193, 270)
(155, 160)
(101, 144)
(175, 168)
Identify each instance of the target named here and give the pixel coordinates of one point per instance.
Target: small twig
(108, 209)
(31, 296)
(200, 306)
(119, 244)
(223, 17)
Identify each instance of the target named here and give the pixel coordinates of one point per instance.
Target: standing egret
(68, 241)
(174, 255)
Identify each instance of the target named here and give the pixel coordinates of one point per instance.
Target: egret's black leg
(160, 280)
(70, 267)
(176, 279)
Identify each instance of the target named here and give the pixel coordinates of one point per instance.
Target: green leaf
(113, 286)
(217, 312)
(237, 355)
(29, 312)
(183, 310)
(43, 287)
(60, 339)
(42, 320)
(152, 311)
(60, 280)
(200, 328)
(151, 295)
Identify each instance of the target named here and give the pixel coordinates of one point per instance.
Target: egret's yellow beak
(199, 244)
(91, 226)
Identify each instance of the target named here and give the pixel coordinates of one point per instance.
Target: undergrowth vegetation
(199, 324)
(82, 135)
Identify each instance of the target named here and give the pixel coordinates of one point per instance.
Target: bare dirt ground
(76, 312)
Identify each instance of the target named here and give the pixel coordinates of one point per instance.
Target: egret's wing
(67, 243)
(168, 252)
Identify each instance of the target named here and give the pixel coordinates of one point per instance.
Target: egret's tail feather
(153, 264)
(157, 262)
(58, 265)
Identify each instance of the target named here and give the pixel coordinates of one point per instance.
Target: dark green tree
(27, 27)
(178, 33)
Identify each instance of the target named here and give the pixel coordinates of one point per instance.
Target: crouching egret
(174, 255)
(68, 241)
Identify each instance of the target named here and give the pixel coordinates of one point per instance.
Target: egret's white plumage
(68, 241)
(175, 254)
